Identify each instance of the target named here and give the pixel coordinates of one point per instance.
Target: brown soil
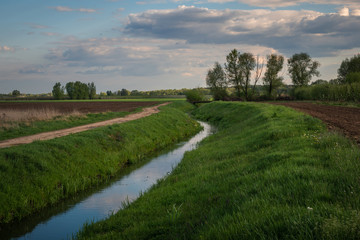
(82, 107)
(64, 132)
(344, 119)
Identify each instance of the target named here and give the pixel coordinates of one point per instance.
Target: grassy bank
(42, 173)
(268, 173)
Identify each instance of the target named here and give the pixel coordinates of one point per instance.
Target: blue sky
(163, 44)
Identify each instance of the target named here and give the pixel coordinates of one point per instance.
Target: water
(69, 217)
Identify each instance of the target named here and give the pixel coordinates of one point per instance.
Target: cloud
(6, 49)
(288, 3)
(68, 9)
(33, 69)
(287, 31)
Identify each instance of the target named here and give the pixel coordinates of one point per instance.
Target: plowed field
(82, 107)
(344, 119)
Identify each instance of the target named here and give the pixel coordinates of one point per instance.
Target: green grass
(132, 99)
(42, 173)
(25, 129)
(268, 173)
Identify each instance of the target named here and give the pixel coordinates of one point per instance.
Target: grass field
(268, 173)
(42, 173)
(18, 120)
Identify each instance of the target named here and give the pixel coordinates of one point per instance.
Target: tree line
(239, 68)
(74, 90)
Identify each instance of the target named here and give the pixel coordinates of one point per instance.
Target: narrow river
(67, 219)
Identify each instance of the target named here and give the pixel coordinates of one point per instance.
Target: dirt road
(64, 132)
(344, 119)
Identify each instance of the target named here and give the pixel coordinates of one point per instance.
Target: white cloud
(355, 12)
(287, 31)
(287, 3)
(68, 9)
(345, 12)
(6, 49)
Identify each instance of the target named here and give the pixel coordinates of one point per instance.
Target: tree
(247, 63)
(70, 89)
(216, 80)
(109, 93)
(15, 93)
(58, 91)
(233, 71)
(347, 66)
(273, 66)
(125, 92)
(92, 90)
(302, 68)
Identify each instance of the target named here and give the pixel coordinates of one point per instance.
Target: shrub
(194, 95)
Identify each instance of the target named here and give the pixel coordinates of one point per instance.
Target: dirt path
(64, 132)
(344, 119)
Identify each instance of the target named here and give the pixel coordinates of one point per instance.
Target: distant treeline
(156, 93)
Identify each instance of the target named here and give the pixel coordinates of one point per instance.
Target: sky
(163, 44)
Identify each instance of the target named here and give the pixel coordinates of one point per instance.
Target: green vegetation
(329, 92)
(20, 129)
(194, 95)
(42, 173)
(268, 173)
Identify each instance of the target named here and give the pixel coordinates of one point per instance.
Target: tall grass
(17, 124)
(42, 173)
(268, 173)
(329, 92)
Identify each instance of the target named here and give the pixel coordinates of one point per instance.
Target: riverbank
(43, 173)
(268, 173)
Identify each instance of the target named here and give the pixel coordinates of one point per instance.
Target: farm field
(338, 118)
(26, 118)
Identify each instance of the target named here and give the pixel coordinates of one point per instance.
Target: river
(66, 219)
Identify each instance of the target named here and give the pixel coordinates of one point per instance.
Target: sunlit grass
(268, 173)
(42, 173)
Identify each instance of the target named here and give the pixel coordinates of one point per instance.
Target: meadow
(42, 173)
(26, 118)
(268, 173)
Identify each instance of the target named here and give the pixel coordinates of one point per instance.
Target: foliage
(271, 79)
(269, 172)
(301, 69)
(194, 95)
(232, 67)
(79, 90)
(58, 91)
(125, 92)
(216, 81)
(15, 93)
(348, 66)
(42, 173)
(92, 90)
(247, 64)
(352, 77)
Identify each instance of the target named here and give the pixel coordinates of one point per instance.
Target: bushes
(329, 92)
(194, 95)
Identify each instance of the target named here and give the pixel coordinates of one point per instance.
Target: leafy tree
(216, 80)
(194, 95)
(348, 66)
(125, 92)
(58, 91)
(352, 77)
(70, 89)
(271, 79)
(109, 93)
(15, 93)
(247, 64)
(92, 90)
(319, 82)
(233, 71)
(302, 68)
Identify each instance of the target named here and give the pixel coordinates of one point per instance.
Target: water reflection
(66, 220)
